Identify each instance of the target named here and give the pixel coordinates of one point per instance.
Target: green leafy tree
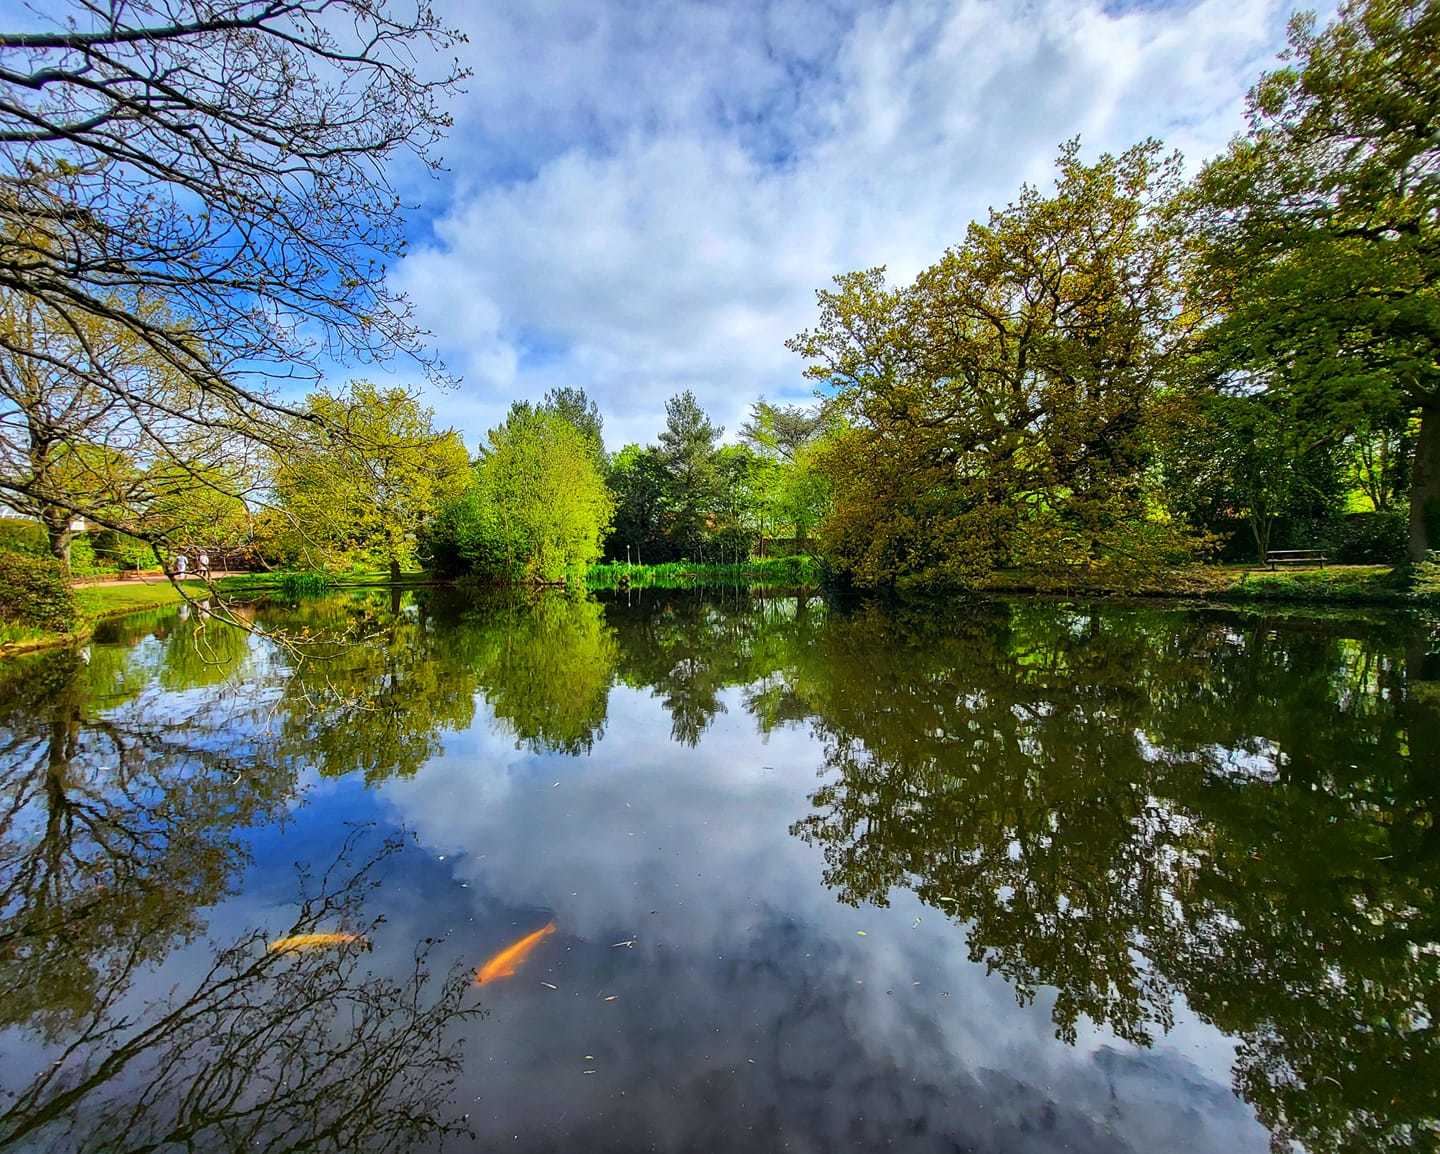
(1381, 458)
(575, 406)
(687, 449)
(366, 473)
(795, 490)
(196, 508)
(740, 513)
(208, 185)
(781, 430)
(537, 508)
(1007, 399)
(68, 446)
(1322, 229)
(638, 480)
(1248, 457)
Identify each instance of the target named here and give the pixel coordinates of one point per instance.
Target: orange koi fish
(512, 957)
(310, 942)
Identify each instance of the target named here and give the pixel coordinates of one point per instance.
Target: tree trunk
(59, 535)
(1260, 526)
(1425, 486)
(394, 569)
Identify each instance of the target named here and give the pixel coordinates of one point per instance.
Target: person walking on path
(205, 565)
(181, 563)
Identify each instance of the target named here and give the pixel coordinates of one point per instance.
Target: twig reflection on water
(269, 1050)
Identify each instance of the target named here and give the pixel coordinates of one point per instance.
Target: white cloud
(646, 200)
(740, 956)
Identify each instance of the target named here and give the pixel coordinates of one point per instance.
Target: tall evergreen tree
(687, 448)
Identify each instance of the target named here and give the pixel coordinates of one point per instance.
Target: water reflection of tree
(117, 816)
(178, 651)
(545, 664)
(1136, 806)
(378, 704)
(267, 1050)
(690, 647)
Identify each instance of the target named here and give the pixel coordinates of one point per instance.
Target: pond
(712, 873)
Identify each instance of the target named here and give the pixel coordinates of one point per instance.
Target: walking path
(147, 578)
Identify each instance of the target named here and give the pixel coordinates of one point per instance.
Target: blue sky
(644, 197)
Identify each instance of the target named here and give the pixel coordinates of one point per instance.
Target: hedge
(35, 592)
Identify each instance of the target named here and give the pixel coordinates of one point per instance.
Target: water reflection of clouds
(751, 1012)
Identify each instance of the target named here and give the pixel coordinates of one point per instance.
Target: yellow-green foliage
(537, 509)
(362, 478)
(1009, 395)
(793, 572)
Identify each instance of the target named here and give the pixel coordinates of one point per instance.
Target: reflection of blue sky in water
(750, 1006)
(755, 1010)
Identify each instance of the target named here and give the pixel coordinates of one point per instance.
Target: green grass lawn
(293, 583)
(1371, 584)
(1333, 585)
(96, 601)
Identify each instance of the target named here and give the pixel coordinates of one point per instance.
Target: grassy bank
(309, 582)
(95, 603)
(788, 573)
(1332, 585)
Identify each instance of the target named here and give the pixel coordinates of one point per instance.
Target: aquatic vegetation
(303, 584)
(512, 957)
(795, 572)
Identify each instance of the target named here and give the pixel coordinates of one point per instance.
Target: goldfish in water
(310, 942)
(512, 957)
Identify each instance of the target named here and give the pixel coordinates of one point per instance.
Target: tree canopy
(118, 122)
(363, 477)
(1319, 229)
(536, 507)
(1004, 404)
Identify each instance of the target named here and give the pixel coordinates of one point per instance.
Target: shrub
(18, 535)
(1427, 575)
(793, 572)
(85, 562)
(113, 551)
(35, 592)
(1379, 538)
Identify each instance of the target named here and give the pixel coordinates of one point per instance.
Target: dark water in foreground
(1021, 877)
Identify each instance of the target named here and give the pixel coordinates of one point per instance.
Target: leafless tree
(207, 186)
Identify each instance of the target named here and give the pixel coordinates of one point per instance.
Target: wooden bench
(1275, 557)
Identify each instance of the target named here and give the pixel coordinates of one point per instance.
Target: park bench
(1275, 557)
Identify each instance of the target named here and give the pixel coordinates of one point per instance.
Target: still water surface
(1012, 877)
